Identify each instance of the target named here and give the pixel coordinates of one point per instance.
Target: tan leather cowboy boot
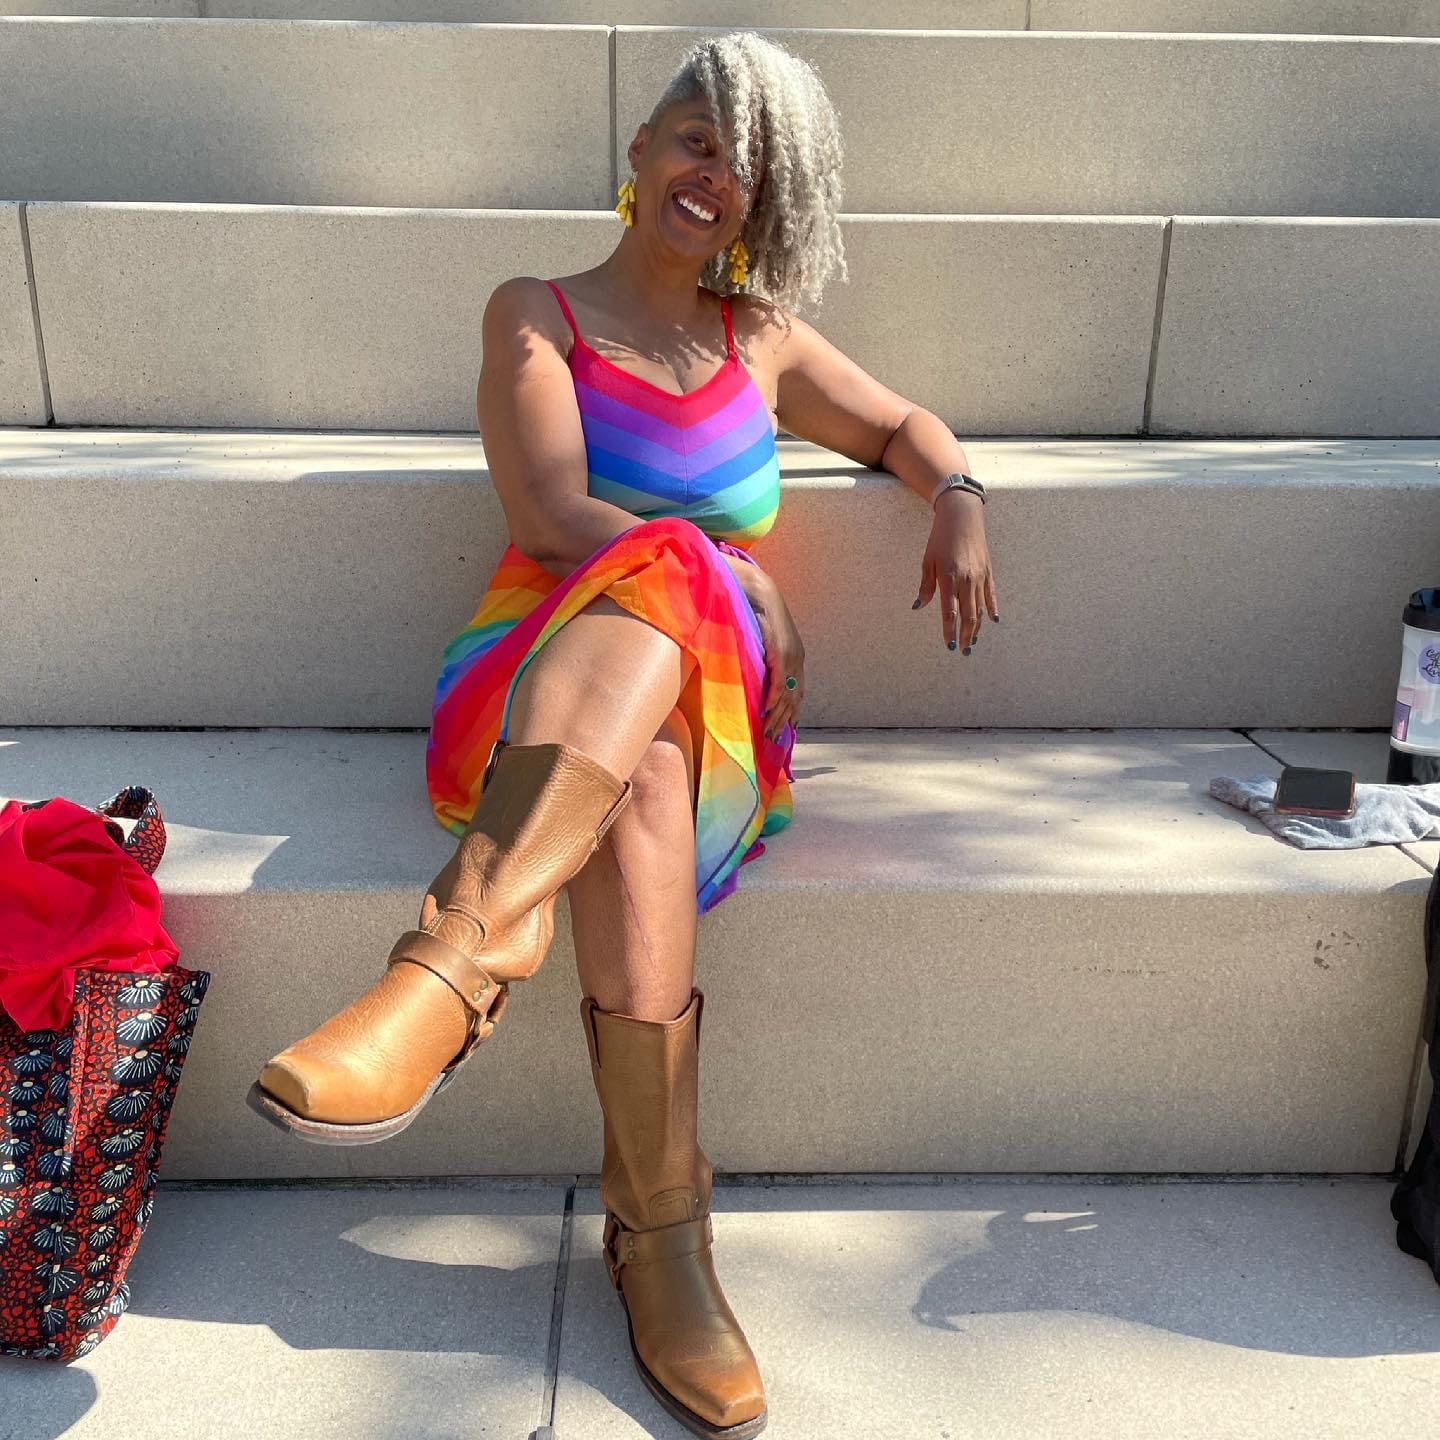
(486, 922)
(655, 1184)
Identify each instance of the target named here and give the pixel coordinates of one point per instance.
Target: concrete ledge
(734, 14)
(22, 391)
(222, 315)
(298, 113)
(464, 115)
(1299, 327)
(1031, 951)
(241, 578)
(343, 318)
(1300, 17)
(1108, 124)
(135, 9)
(1303, 17)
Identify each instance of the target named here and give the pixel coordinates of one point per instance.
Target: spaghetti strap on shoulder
(729, 328)
(565, 307)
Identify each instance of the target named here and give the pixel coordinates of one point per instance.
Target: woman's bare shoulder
(523, 305)
(762, 329)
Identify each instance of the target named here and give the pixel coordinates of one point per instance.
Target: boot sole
(682, 1412)
(324, 1132)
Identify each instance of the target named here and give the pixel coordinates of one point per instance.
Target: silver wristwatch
(958, 481)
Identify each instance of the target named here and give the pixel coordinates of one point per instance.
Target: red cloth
(70, 898)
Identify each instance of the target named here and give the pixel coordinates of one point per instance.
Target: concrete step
(1012, 951)
(243, 578)
(1304, 17)
(464, 116)
(370, 319)
(1057, 1310)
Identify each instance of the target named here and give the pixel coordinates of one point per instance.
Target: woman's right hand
(784, 655)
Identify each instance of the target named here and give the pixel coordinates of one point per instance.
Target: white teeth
(693, 208)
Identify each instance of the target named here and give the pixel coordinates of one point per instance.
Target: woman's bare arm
(530, 423)
(825, 397)
(534, 443)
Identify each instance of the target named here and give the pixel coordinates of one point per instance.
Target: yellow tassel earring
(739, 261)
(626, 208)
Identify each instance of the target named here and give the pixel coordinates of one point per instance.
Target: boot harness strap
(483, 995)
(689, 1237)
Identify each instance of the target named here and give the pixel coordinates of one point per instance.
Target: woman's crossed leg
(599, 684)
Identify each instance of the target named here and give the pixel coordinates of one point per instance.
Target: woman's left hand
(957, 561)
(784, 655)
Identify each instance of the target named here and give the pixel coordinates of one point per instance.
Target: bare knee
(664, 778)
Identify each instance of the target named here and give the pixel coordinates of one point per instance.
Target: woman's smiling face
(686, 180)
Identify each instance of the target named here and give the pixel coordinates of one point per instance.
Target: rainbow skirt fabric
(670, 573)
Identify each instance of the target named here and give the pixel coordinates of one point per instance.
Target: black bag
(1416, 1201)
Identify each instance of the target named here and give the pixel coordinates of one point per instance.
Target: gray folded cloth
(1384, 814)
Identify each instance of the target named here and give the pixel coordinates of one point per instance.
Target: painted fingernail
(916, 605)
(995, 618)
(966, 650)
(953, 644)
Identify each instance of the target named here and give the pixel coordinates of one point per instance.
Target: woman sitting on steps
(618, 717)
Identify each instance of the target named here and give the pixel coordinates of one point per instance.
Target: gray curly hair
(771, 104)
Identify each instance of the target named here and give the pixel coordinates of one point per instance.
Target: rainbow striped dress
(701, 471)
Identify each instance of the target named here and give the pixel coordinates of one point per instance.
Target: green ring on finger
(791, 682)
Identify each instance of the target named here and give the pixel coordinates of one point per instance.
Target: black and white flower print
(141, 1028)
(127, 1105)
(122, 1144)
(145, 991)
(57, 1280)
(26, 1091)
(55, 1240)
(34, 1061)
(115, 1177)
(106, 1209)
(54, 1164)
(55, 1201)
(138, 1065)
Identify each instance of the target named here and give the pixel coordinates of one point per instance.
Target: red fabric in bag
(70, 897)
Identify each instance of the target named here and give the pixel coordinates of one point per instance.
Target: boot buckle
(669, 1242)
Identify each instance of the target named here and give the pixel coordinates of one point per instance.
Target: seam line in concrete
(1027, 14)
(48, 408)
(1155, 331)
(557, 1314)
